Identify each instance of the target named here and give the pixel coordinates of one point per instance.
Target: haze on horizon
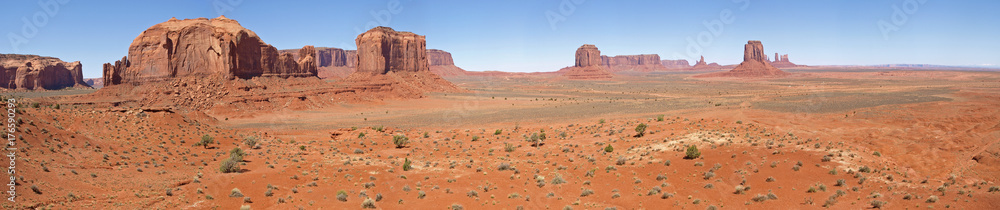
(534, 36)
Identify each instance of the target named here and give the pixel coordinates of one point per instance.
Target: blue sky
(530, 35)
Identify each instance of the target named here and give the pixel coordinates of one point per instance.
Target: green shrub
(251, 141)
(342, 196)
(659, 118)
(236, 154)
(368, 204)
(692, 153)
(205, 141)
(400, 141)
(609, 148)
(640, 130)
(508, 147)
(235, 193)
(229, 166)
(406, 164)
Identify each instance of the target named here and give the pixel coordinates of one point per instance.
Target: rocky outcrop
(442, 64)
(588, 64)
(439, 57)
(675, 64)
(31, 72)
(202, 47)
(755, 63)
(782, 62)
(702, 65)
(94, 82)
(396, 62)
(638, 63)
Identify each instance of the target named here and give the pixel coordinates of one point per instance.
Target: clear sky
(534, 35)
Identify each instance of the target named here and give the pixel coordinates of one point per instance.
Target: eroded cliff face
(587, 65)
(218, 47)
(32, 72)
(675, 64)
(638, 63)
(396, 62)
(755, 63)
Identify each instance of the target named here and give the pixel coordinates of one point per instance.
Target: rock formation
(639, 63)
(394, 61)
(782, 62)
(675, 64)
(94, 82)
(33, 72)
(442, 63)
(202, 47)
(702, 65)
(755, 63)
(588, 64)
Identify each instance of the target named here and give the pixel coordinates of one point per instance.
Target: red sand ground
(916, 150)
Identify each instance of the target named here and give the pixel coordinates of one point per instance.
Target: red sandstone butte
(755, 64)
(32, 72)
(588, 64)
(637, 63)
(203, 48)
(396, 62)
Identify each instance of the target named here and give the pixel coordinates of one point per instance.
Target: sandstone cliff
(755, 63)
(32, 72)
(638, 63)
(202, 47)
(442, 64)
(702, 65)
(782, 61)
(588, 64)
(395, 62)
(675, 64)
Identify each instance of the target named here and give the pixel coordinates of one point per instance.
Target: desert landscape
(202, 113)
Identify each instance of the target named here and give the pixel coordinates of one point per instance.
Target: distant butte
(588, 64)
(395, 62)
(755, 64)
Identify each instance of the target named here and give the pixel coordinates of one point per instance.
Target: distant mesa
(202, 47)
(702, 65)
(94, 82)
(395, 61)
(755, 64)
(675, 64)
(636, 63)
(588, 64)
(33, 72)
(442, 64)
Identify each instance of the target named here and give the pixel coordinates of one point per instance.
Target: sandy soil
(844, 140)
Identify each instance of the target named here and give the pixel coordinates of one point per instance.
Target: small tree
(609, 149)
(640, 129)
(400, 141)
(206, 140)
(692, 153)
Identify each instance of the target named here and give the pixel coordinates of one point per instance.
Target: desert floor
(819, 138)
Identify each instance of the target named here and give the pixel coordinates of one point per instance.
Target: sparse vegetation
(206, 140)
(640, 130)
(406, 164)
(692, 152)
(400, 141)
